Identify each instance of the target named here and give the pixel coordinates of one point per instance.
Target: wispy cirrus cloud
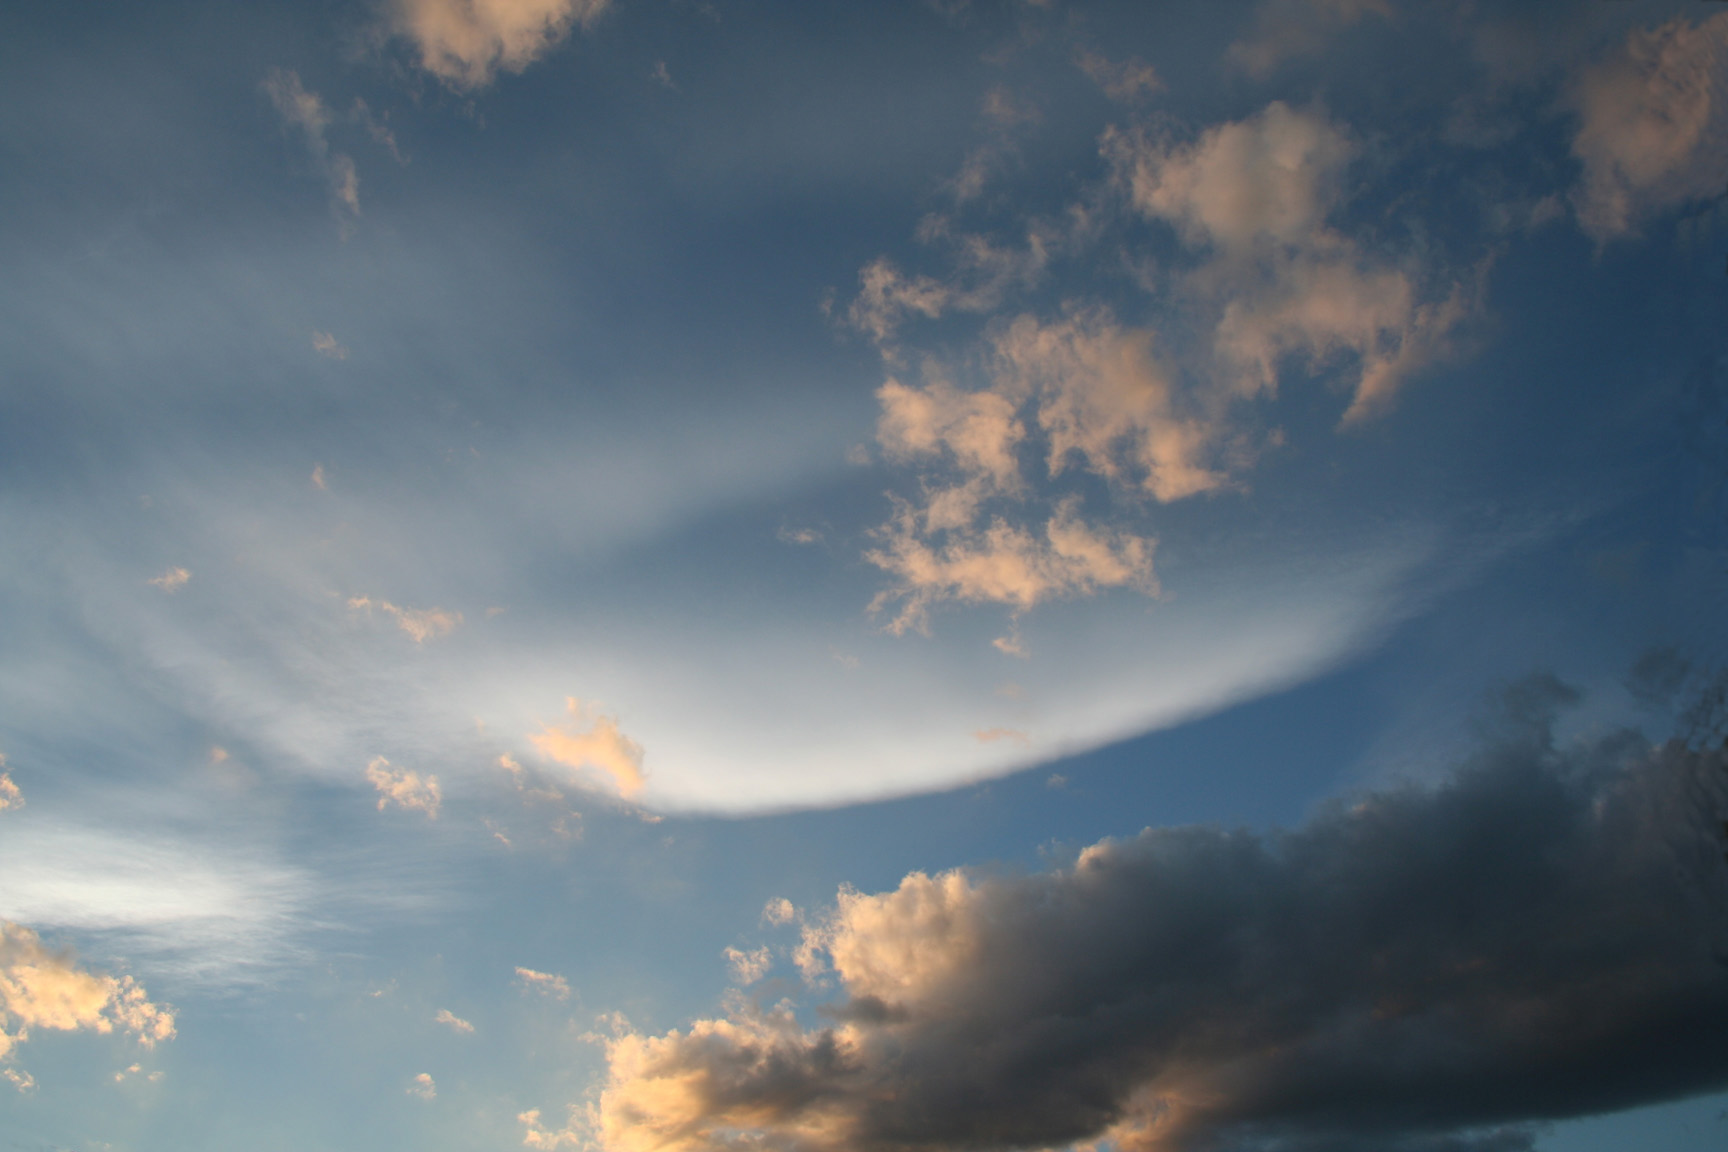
(305, 112)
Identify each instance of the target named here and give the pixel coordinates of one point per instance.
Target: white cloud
(327, 345)
(546, 983)
(43, 989)
(10, 794)
(779, 911)
(1653, 126)
(452, 1021)
(423, 1087)
(749, 967)
(594, 742)
(171, 581)
(404, 787)
(465, 42)
(1257, 195)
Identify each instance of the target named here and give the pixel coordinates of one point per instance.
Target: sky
(930, 576)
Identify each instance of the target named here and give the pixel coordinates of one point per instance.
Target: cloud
(546, 983)
(992, 735)
(1653, 126)
(422, 624)
(10, 794)
(749, 967)
(1536, 937)
(171, 581)
(595, 743)
(1256, 195)
(453, 1021)
(44, 989)
(306, 112)
(1124, 81)
(465, 42)
(404, 787)
(1003, 563)
(779, 911)
(1287, 28)
(326, 345)
(423, 1087)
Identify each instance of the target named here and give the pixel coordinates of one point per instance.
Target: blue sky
(660, 576)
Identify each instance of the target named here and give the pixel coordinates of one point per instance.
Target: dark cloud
(1420, 968)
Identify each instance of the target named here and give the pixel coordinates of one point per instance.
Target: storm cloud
(1539, 936)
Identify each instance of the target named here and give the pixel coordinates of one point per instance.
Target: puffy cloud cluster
(404, 787)
(1266, 284)
(40, 988)
(1256, 195)
(594, 742)
(1538, 937)
(1653, 126)
(465, 42)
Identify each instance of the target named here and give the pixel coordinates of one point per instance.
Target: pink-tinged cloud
(596, 743)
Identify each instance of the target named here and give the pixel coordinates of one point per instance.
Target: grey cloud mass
(1543, 935)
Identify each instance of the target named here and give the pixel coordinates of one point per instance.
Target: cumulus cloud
(749, 967)
(1002, 563)
(1284, 29)
(404, 787)
(171, 581)
(40, 988)
(1653, 126)
(779, 911)
(307, 113)
(594, 742)
(465, 42)
(546, 983)
(452, 1021)
(1257, 195)
(423, 1087)
(1425, 967)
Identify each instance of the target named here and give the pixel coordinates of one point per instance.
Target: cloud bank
(1541, 936)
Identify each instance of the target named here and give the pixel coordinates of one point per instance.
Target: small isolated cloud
(170, 581)
(423, 1087)
(662, 76)
(749, 967)
(465, 42)
(421, 624)
(1538, 937)
(994, 735)
(1124, 81)
(40, 988)
(326, 345)
(1653, 126)
(799, 536)
(10, 794)
(779, 911)
(452, 1021)
(318, 479)
(305, 112)
(1284, 29)
(594, 742)
(545, 983)
(404, 787)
